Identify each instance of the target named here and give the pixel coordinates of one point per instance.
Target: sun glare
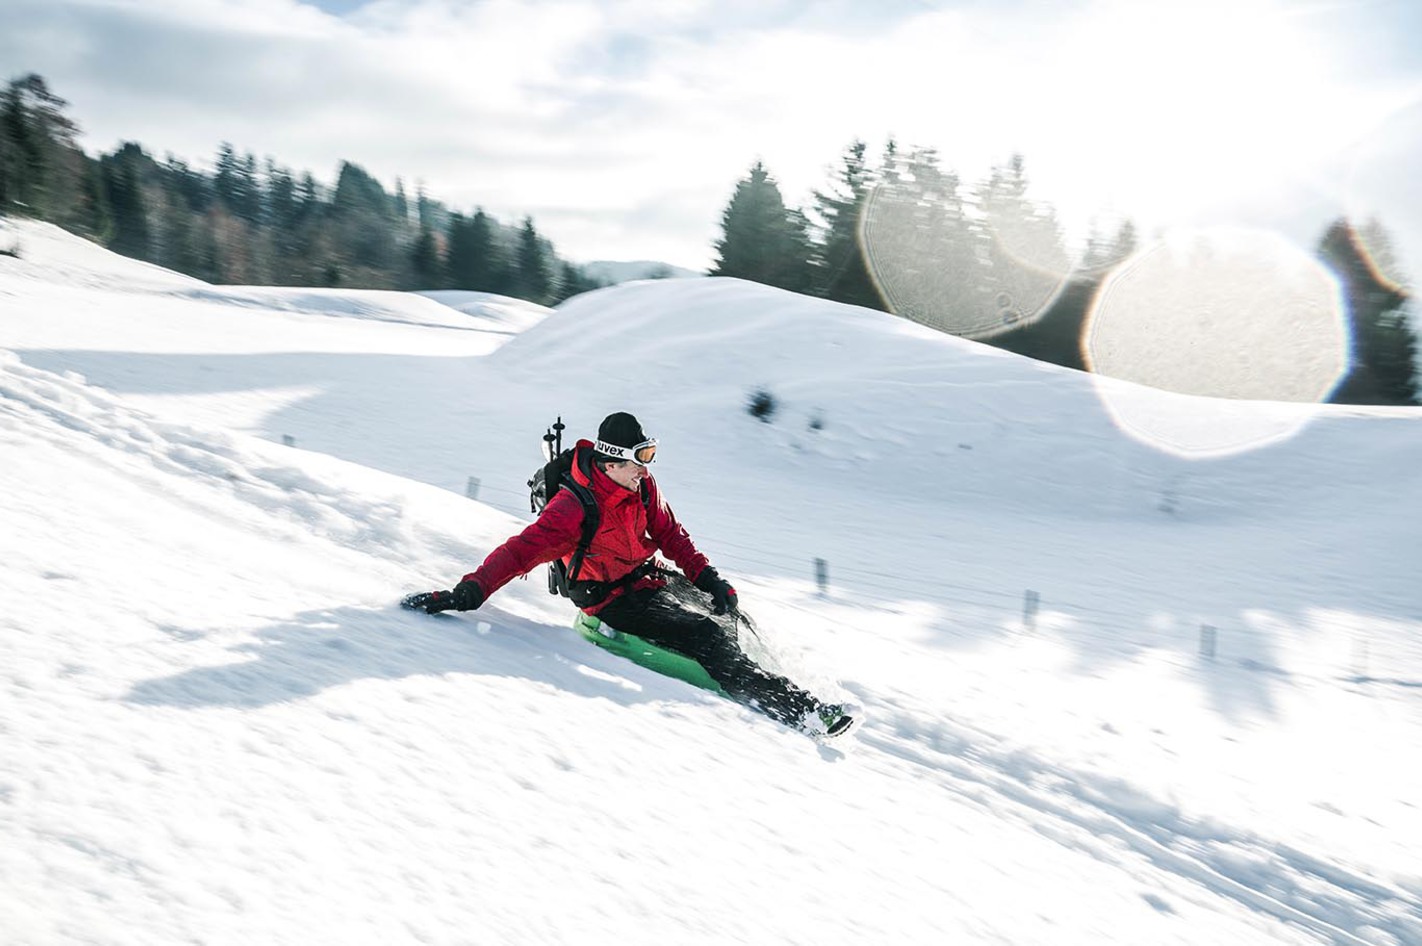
(1180, 112)
(1221, 313)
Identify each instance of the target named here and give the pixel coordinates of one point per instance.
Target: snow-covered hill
(612, 272)
(215, 725)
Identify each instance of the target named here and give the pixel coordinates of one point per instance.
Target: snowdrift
(215, 725)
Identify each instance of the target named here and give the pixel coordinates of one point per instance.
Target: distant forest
(259, 223)
(985, 260)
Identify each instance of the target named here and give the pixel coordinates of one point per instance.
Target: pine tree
(533, 281)
(491, 271)
(92, 217)
(840, 272)
(1022, 244)
(251, 210)
(762, 241)
(400, 203)
(1101, 254)
(427, 212)
(459, 257)
(124, 189)
(1384, 369)
(362, 226)
(918, 245)
(239, 225)
(424, 260)
(41, 166)
(234, 219)
(280, 198)
(573, 280)
(181, 219)
(236, 184)
(474, 259)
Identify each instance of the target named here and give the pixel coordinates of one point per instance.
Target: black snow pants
(678, 617)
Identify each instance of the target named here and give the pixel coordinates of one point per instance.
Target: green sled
(630, 646)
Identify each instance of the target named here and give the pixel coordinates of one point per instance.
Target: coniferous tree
(180, 219)
(239, 225)
(475, 260)
(533, 281)
(308, 196)
(251, 210)
(400, 203)
(12, 159)
(310, 232)
(1103, 254)
(943, 220)
(918, 245)
(890, 164)
(122, 178)
(491, 270)
(841, 273)
(233, 220)
(361, 222)
(495, 269)
(280, 234)
(41, 167)
(1022, 244)
(1384, 368)
(92, 216)
(762, 240)
(280, 198)
(191, 187)
(236, 184)
(572, 281)
(428, 213)
(459, 258)
(424, 260)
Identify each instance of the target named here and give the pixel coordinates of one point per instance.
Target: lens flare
(976, 276)
(1227, 314)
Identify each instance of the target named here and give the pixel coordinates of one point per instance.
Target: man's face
(626, 474)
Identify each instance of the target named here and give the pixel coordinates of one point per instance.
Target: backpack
(555, 474)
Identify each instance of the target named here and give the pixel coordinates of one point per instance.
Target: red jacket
(628, 535)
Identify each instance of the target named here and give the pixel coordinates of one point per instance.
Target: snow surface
(216, 726)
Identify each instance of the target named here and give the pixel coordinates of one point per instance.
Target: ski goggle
(642, 454)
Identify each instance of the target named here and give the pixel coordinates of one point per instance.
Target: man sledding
(602, 524)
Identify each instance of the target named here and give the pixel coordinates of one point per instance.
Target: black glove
(719, 589)
(430, 602)
(466, 596)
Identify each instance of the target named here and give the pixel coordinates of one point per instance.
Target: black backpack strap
(592, 518)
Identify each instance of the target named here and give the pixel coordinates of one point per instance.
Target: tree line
(260, 223)
(902, 234)
(986, 261)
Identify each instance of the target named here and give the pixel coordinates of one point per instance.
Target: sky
(219, 727)
(622, 126)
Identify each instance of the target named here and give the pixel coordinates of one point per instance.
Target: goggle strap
(635, 454)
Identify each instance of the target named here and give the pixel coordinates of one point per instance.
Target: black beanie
(621, 430)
